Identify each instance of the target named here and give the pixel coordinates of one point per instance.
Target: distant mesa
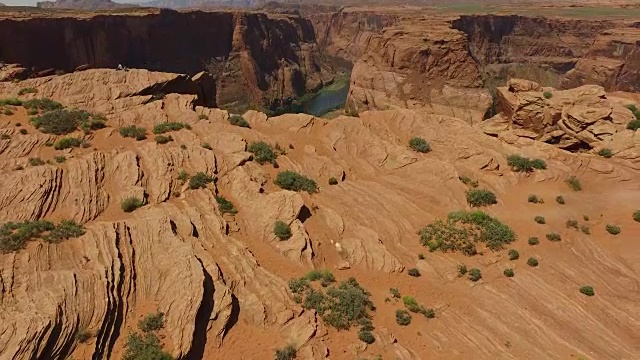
(83, 4)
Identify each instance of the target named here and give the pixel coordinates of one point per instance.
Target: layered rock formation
(253, 57)
(580, 118)
(221, 279)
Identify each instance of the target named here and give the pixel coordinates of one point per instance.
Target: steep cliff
(255, 58)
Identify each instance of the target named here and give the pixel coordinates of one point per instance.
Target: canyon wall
(260, 57)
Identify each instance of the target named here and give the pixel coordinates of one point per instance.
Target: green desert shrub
(413, 272)
(144, 347)
(533, 241)
(395, 293)
(67, 142)
(605, 153)
(83, 335)
(287, 353)
(633, 125)
(199, 181)
(65, 121)
(508, 272)
(262, 152)
(481, 197)
(547, 95)
(419, 144)
(462, 269)
(27, 90)
(366, 336)
(168, 126)
(14, 236)
(60, 159)
(522, 164)
(152, 322)
(325, 276)
(555, 237)
(587, 290)
(163, 139)
(613, 229)
(574, 183)
(43, 105)
(572, 224)
(560, 200)
(333, 181)
(636, 215)
(206, 146)
(238, 120)
(225, 206)
(290, 180)
(540, 219)
(514, 254)
(421, 256)
(130, 204)
(282, 230)
(35, 161)
(533, 262)
(462, 230)
(183, 176)
(468, 181)
(535, 199)
(403, 318)
(8, 112)
(585, 229)
(11, 102)
(475, 274)
(135, 132)
(202, 117)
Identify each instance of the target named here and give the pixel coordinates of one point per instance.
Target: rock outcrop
(581, 118)
(254, 58)
(221, 279)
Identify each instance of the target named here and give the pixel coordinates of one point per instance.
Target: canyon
(175, 168)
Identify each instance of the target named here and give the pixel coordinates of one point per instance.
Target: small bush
(514, 254)
(333, 181)
(572, 224)
(540, 219)
(574, 183)
(636, 216)
(613, 229)
(36, 161)
(481, 197)
(199, 181)
(138, 133)
(462, 269)
(152, 322)
(83, 335)
(225, 206)
(533, 262)
(130, 204)
(535, 199)
(605, 153)
(238, 120)
(633, 125)
(547, 95)
(14, 236)
(411, 304)
(508, 272)
(262, 152)
(555, 237)
(523, 164)
(429, 313)
(282, 230)
(366, 336)
(413, 272)
(290, 180)
(585, 229)
(67, 142)
(42, 105)
(11, 101)
(560, 200)
(66, 229)
(403, 318)
(287, 353)
(475, 274)
(183, 176)
(206, 146)
(140, 347)
(202, 117)
(325, 276)
(8, 112)
(419, 145)
(533, 241)
(395, 293)
(28, 90)
(168, 126)
(64, 121)
(421, 256)
(163, 139)
(60, 159)
(468, 181)
(587, 290)
(23, 131)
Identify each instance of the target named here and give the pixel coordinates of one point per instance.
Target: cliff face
(259, 57)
